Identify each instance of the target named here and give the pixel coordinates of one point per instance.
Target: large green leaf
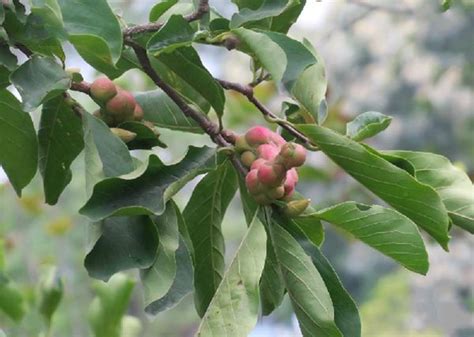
(384, 229)
(160, 8)
(145, 138)
(452, 184)
(12, 302)
(287, 18)
(397, 187)
(149, 192)
(249, 206)
(60, 141)
(18, 143)
(176, 32)
(39, 79)
(110, 305)
(125, 243)
(163, 112)
(308, 293)
(187, 65)
(96, 33)
(203, 217)
(158, 278)
(233, 310)
(268, 9)
(367, 124)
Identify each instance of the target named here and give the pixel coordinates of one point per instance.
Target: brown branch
(83, 87)
(202, 9)
(247, 91)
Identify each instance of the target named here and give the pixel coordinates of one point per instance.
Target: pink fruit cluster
(116, 104)
(272, 162)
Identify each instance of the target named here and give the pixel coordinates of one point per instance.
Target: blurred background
(402, 58)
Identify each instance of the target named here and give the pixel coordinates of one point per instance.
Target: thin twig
(247, 91)
(202, 9)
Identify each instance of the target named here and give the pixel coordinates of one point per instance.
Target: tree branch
(202, 9)
(247, 91)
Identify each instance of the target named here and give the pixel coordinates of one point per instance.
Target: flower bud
(268, 151)
(247, 158)
(252, 183)
(290, 182)
(277, 139)
(296, 207)
(241, 144)
(276, 192)
(271, 174)
(292, 155)
(103, 89)
(257, 135)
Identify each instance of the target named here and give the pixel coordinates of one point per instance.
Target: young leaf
(158, 278)
(308, 293)
(392, 184)
(108, 308)
(182, 284)
(203, 217)
(51, 293)
(96, 34)
(186, 64)
(149, 192)
(268, 9)
(160, 8)
(384, 229)
(18, 143)
(12, 302)
(452, 184)
(38, 80)
(176, 32)
(125, 243)
(164, 113)
(233, 310)
(60, 141)
(367, 125)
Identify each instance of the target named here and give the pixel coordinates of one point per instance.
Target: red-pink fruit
(257, 163)
(277, 139)
(292, 155)
(257, 135)
(138, 113)
(103, 89)
(290, 182)
(247, 158)
(271, 174)
(276, 192)
(121, 106)
(252, 183)
(268, 151)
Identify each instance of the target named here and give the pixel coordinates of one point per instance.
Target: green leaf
(158, 278)
(268, 9)
(96, 33)
(164, 113)
(392, 184)
(110, 305)
(445, 5)
(249, 205)
(146, 138)
(182, 284)
(233, 310)
(452, 184)
(176, 33)
(384, 229)
(287, 18)
(38, 80)
(160, 8)
(203, 217)
(18, 143)
(12, 302)
(60, 141)
(308, 293)
(106, 154)
(186, 64)
(125, 243)
(367, 125)
(149, 192)
(7, 58)
(51, 292)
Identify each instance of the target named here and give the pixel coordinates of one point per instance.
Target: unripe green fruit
(125, 135)
(257, 135)
(103, 89)
(271, 174)
(268, 151)
(121, 106)
(276, 192)
(138, 113)
(247, 158)
(241, 144)
(296, 207)
(292, 155)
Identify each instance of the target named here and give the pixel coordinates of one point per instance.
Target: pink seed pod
(292, 155)
(271, 174)
(290, 182)
(252, 182)
(122, 106)
(257, 163)
(268, 151)
(276, 139)
(258, 135)
(103, 89)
